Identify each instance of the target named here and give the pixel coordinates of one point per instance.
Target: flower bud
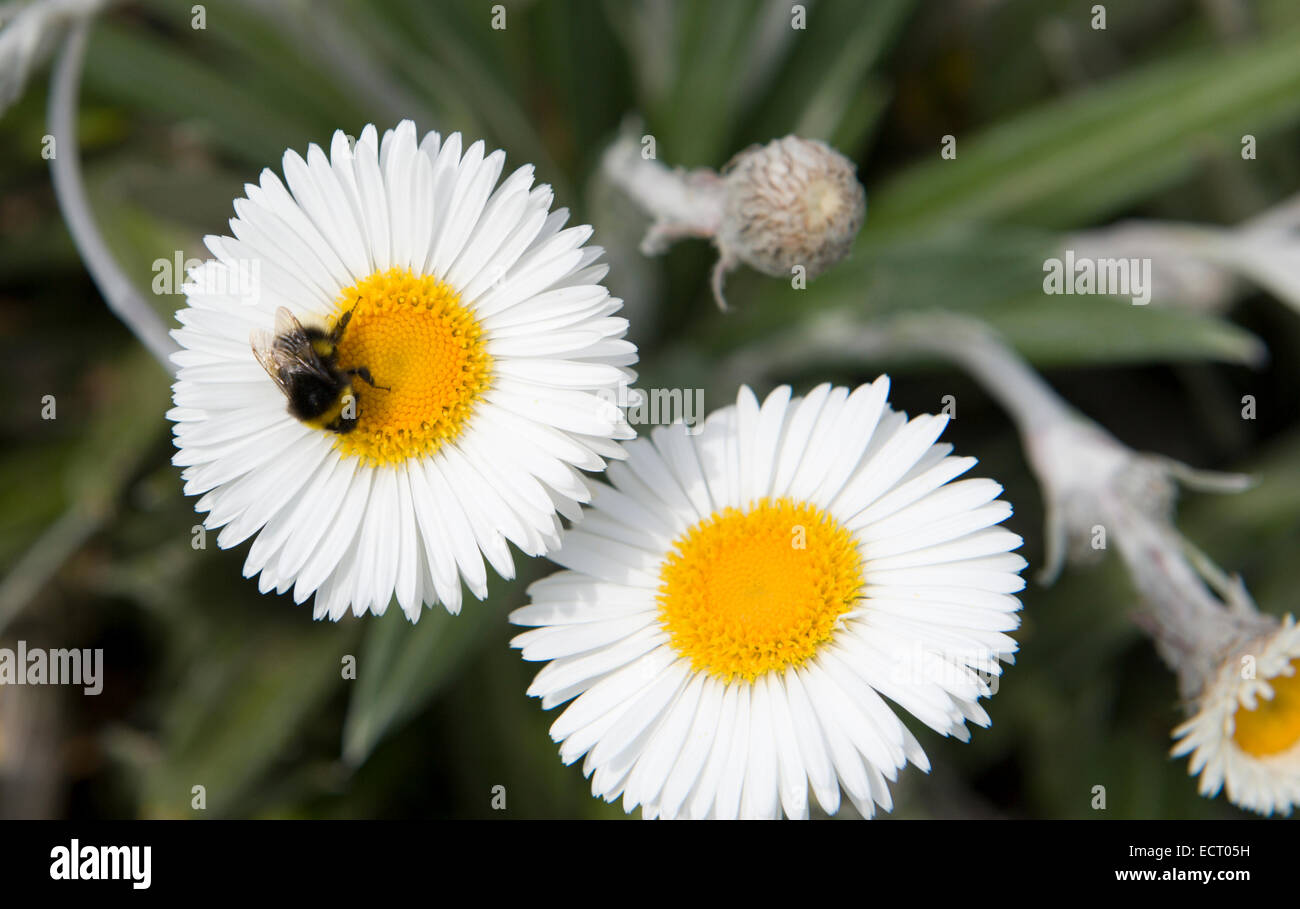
(791, 202)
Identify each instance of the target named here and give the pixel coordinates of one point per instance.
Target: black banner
(332, 858)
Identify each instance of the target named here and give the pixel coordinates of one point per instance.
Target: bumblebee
(303, 361)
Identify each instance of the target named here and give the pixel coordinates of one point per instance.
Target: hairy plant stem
(70, 190)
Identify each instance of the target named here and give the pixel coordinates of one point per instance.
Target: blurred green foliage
(1059, 127)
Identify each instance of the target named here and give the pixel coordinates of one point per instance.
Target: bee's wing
(270, 355)
(287, 351)
(287, 327)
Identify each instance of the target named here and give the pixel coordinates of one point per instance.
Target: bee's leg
(337, 334)
(363, 374)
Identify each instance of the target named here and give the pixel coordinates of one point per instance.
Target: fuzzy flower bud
(789, 205)
(793, 202)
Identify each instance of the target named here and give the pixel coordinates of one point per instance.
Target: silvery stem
(682, 203)
(70, 190)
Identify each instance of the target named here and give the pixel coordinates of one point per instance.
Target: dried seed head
(792, 202)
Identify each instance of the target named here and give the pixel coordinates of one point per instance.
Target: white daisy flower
(476, 345)
(739, 604)
(1245, 736)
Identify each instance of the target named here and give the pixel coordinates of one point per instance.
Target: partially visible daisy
(481, 348)
(739, 605)
(1245, 736)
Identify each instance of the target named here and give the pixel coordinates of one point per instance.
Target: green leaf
(1085, 157)
(964, 271)
(824, 91)
(1077, 330)
(455, 57)
(231, 718)
(995, 275)
(247, 45)
(255, 125)
(713, 45)
(88, 473)
(401, 666)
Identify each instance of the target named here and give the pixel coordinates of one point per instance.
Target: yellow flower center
(1273, 726)
(747, 592)
(428, 354)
